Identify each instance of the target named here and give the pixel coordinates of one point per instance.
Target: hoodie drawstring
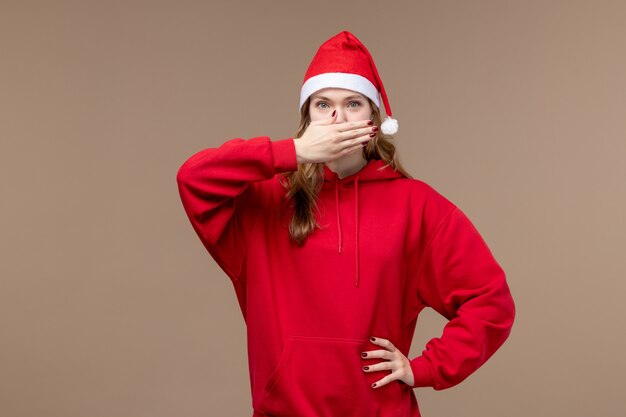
(337, 205)
(356, 205)
(356, 227)
(373, 171)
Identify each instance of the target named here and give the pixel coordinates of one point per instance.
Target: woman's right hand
(324, 140)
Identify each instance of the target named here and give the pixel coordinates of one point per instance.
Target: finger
(380, 366)
(377, 340)
(355, 144)
(346, 126)
(387, 344)
(381, 353)
(351, 134)
(384, 381)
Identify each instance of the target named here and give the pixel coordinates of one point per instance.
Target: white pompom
(389, 126)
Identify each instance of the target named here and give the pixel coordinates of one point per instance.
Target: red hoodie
(389, 247)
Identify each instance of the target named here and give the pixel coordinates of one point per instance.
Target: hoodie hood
(374, 170)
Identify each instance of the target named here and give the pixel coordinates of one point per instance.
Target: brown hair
(305, 184)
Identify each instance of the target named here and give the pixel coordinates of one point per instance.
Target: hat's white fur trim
(346, 80)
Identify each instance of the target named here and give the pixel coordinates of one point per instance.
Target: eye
(320, 103)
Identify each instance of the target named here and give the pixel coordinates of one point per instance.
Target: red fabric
(389, 247)
(344, 52)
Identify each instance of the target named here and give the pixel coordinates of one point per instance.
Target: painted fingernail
(374, 384)
(373, 339)
(375, 129)
(364, 354)
(372, 134)
(365, 368)
(371, 122)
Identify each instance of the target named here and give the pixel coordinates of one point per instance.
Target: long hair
(303, 186)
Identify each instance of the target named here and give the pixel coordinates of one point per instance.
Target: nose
(341, 116)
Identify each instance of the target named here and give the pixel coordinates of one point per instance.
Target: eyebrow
(326, 98)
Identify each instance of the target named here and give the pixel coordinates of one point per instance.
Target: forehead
(336, 94)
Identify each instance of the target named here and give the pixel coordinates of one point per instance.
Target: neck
(347, 165)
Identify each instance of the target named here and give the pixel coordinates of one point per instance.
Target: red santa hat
(344, 62)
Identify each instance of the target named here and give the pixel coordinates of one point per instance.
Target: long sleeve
(460, 279)
(217, 190)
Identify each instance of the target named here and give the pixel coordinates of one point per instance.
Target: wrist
(298, 145)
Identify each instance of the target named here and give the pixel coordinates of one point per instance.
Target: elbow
(508, 304)
(510, 311)
(182, 174)
(193, 167)
(186, 172)
(500, 311)
(506, 313)
(504, 305)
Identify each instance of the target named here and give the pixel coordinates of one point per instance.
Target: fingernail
(375, 129)
(364, 354)
(365, 368)
(373, 339)
(371, 122)
(372, 134)
(374, 384)
(333, 115)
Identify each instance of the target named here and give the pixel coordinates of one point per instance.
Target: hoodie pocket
(323, 377)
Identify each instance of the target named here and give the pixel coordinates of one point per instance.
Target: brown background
(109, 304)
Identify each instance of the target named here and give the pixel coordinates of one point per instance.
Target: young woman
(333, 250)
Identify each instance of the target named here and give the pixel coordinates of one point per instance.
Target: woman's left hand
(396, 362)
